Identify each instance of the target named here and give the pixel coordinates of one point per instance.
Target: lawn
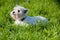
(46, 8)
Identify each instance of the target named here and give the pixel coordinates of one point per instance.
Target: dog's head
(18, 12)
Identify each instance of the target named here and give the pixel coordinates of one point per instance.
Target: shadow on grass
(58, 1)
(43, 12)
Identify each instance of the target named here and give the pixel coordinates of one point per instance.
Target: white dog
(19, 14)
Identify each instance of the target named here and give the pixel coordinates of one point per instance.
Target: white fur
(28, 20)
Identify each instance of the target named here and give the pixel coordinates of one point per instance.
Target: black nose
(25, 11)
(13, 12)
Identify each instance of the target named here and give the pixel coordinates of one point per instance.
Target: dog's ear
(25, 11)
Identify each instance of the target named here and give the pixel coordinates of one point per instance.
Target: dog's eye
(18, 10)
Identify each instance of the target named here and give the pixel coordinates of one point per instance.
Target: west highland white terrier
(19, 14)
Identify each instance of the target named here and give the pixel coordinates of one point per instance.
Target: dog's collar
(23, 19)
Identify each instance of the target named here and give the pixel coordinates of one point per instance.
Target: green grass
(46, 8)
